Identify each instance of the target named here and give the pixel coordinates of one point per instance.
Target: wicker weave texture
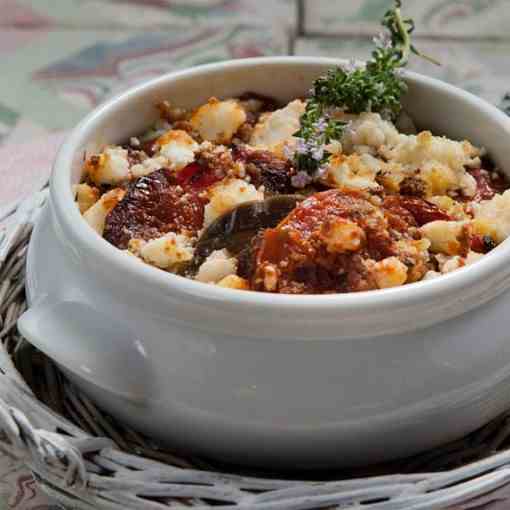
(86, 460)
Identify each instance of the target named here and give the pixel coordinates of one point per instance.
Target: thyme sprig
(376, 86)
(317, 130)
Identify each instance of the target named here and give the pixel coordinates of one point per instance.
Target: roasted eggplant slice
(235, 229)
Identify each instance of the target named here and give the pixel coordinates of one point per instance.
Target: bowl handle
(91, 345)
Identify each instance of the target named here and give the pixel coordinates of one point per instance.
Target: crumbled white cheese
(444, 236)
(167, 251)
(233, 281)
(341, 235)
(467, 184)
(441, 162)
(178, 148)
(149, 165)
(354, 171)
(416, 150)
(447, 264)
(367, 133)
(86, 196)
(431, 275)
(228, 194)
(109, 167)
(492, 217)
(389, 272)
(95, 216)
(271, 275)
(217, 121)
(217, 267)
(278, 126)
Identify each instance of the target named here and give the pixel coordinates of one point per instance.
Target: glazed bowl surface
(256, 378)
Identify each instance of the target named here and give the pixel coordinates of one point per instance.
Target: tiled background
(59, 58)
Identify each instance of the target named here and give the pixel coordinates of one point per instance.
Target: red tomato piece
(197, 177)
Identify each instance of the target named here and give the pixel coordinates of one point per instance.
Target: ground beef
(413, 186)
(266, 169)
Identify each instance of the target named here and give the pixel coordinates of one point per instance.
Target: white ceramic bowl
(255, 378)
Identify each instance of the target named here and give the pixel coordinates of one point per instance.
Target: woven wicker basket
(84, 459)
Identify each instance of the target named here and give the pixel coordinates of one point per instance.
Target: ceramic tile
(22, 14)
(8, 120)
(153, 13)
(57, 80)
(459, 18)
(482, 68)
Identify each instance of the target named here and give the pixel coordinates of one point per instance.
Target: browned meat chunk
(153, 206)
(267, 169)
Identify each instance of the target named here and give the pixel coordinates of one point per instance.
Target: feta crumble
(178, 148)
(218, 266)
(167, 251)
(217, 121)
(109, 167)
(228, 194)
(278, 126)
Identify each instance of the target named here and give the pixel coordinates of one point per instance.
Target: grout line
(127, 3)
(300, 18)
(63, 27)
(297, 28)
(128, 28)
(298, 33)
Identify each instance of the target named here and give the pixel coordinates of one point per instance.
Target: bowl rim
(406, 295)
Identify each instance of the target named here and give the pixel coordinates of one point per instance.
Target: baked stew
(214, 194)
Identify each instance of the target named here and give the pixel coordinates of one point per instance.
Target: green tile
(62, 74)
(8, 117)
(456, 18)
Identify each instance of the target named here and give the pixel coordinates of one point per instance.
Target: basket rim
(85, 472)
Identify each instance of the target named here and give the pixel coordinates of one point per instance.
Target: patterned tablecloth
(60, 59)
